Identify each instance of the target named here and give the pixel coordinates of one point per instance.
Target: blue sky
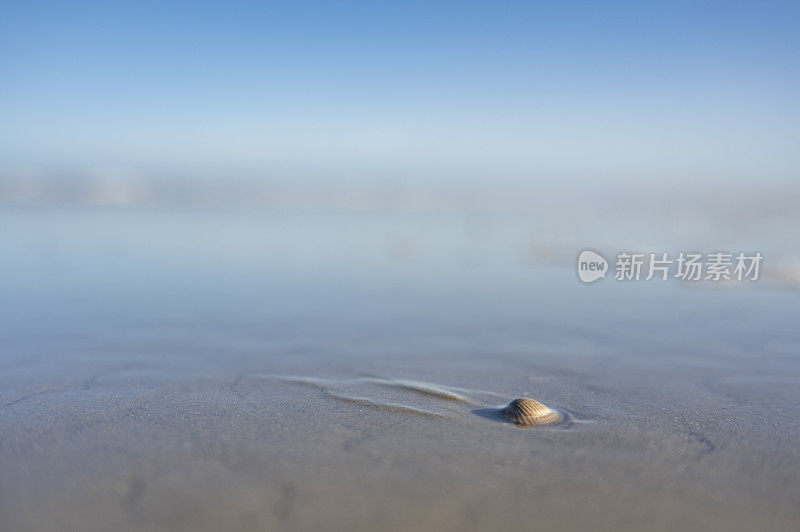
(534, 91)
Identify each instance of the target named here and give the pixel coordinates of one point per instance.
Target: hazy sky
(449, 90)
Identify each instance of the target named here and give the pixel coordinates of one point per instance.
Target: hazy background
(631, 125)
(157, 152)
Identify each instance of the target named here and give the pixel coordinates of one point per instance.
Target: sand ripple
(385, 406)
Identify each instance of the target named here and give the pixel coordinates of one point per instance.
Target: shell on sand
(527, 412)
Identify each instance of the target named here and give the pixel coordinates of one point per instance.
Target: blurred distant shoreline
(730, 203)
(557, 219)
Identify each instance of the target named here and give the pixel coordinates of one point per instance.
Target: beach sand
(285, 381)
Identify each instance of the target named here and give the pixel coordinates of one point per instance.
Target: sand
(280, 382)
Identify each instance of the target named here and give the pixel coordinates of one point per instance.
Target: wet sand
(221, 389)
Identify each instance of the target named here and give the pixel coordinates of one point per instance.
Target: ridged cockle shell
(527, 412)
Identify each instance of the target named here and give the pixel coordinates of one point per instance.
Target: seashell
(527, 412)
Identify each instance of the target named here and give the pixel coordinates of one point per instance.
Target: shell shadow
(495, 414)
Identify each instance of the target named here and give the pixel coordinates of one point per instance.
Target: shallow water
(283, 371)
